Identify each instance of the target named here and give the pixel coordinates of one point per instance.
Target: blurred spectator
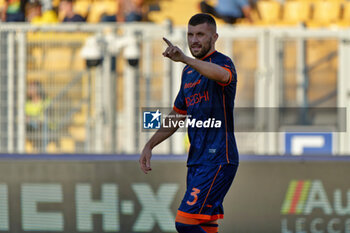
(66, 9)
(128, 11)
(34, 14)
(229, 10)
(13, 11)
(36, 105)
(33, 11)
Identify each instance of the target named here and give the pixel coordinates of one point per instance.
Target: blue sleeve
(228, 65)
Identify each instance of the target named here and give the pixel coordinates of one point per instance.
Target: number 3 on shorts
(195, 197)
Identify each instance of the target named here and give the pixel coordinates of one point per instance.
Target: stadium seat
(325, 13)
(98, 8)
(157, 16)
(78, 133)
(29, 147)
(52, 55)
(45, 55)
(269, 12)
(67, 145)
(80, 118)
(44, 37)
(51, 148)
(175, 11)
(346, 12)
(82, 7)
(345, 20)
(35, 57)
(78, 62)
(295, 12)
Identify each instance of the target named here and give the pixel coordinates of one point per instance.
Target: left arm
(207, 69)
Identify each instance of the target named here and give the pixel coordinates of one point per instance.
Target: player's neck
(210, 52)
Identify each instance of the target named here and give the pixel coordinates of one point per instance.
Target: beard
(205, 48)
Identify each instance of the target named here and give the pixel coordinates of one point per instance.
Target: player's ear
(215, 37)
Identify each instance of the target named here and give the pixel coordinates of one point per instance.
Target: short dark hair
(202, 18)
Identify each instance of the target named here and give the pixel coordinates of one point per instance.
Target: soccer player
(207, 91)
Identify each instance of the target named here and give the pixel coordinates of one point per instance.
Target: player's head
(201, 35)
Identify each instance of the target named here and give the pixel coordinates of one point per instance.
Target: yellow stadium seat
(82, 7)
(175, 11)
(51, 147)
(46, 56)
(269, 12)
(67, 145)
(80, 118)
(78, 133)
(156, 16)
(325, 13)
(57, 58)
(295, 12)
(78, 62)
(44, 37)
(98, 8)
(346, 12)
(29, 147)
(345, 20)
(35, 55)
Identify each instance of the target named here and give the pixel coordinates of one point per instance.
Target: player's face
(201, 39)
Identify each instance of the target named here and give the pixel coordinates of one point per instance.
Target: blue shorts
(206, 189)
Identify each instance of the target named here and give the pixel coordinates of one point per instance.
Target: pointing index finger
(167, 41)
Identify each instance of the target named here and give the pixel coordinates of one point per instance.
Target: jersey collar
(208, 55)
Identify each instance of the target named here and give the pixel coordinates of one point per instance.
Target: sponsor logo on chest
(193, 84)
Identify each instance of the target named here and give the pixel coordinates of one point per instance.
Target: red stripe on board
(296, 197)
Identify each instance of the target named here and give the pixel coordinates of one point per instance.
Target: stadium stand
(314, 13)
(269, 11)
(45, 49)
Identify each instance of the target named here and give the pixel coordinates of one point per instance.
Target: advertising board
(269, 194)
